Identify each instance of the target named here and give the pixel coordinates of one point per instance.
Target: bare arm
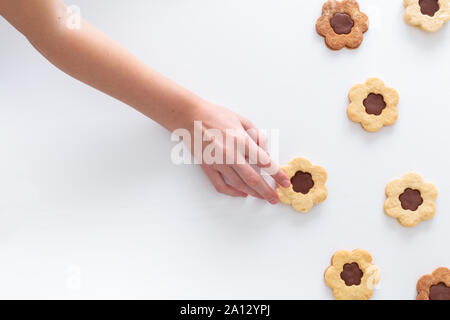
(93, 58)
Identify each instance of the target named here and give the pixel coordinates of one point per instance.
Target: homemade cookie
(307, 185)
(428, 15)
(342, 24)
(352, 276)
(373, 105)
(435, 286)
(410, 200)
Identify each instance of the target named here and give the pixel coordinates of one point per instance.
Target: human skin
(96, 60)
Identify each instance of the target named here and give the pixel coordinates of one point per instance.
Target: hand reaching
(232, 172)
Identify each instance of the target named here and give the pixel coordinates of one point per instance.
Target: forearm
(93, 58)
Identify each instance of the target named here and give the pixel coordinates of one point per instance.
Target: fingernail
(286, 183)
(273, 201)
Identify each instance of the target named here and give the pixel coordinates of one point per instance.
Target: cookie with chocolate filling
(410, 200)
(342, 24)
(373, 105)
(435, 286)
(352, 275)
(428, 15)
(307, 185)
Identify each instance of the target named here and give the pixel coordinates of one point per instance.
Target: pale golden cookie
(428, 15)
(342, 24)
(373, 105)
(410, 200)
(435, 286)
(307, 185)
(352, 276)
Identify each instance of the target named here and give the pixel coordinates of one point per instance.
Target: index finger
(262, 160)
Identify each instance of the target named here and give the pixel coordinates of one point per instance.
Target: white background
(92, 207)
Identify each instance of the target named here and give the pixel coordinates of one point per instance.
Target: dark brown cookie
(435, 286)
(342, 24)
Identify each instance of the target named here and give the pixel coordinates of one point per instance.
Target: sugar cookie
(352, 276)
(410, 200)
(307, 185)
(428, 15)
(373, 105)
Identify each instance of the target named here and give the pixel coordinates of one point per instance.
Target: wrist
(191, 109)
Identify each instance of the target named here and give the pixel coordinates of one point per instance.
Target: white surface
(91, 206)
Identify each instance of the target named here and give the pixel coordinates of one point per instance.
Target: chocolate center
(374, 104)
(302, 182)
(342, 23)
(439, 292)
(429, 7)
(411, 199)
(351, 274)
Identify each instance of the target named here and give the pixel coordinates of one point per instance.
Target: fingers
(257, 153)
(262, 159)
(237, 182)
(281, 178)
(247, 124)
(219, 183)
(259, 138)
(256, 182)
(249, 147)
(257, 135)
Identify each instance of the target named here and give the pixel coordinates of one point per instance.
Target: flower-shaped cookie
(352, 276)
(307, 185)
(410, 200)
(429, 15)
(435, 286)
(342, 24)
(373, 105)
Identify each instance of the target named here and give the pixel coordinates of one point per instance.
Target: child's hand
(80, 53)
(229, 176)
